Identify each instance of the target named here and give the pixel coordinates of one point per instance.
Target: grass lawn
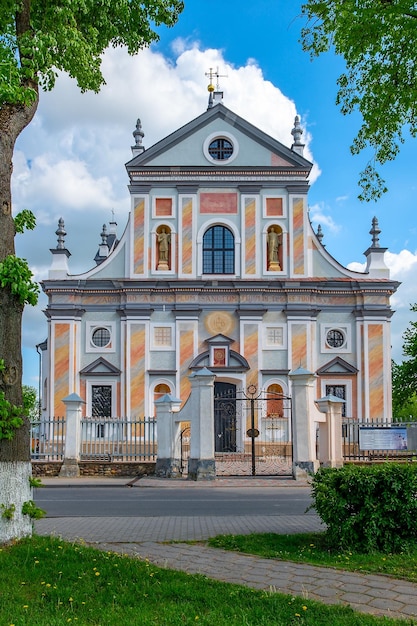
(47, 582)
(312, 548)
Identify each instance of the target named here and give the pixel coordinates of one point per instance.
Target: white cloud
(403, 267)
(69, 162)
(319, 214)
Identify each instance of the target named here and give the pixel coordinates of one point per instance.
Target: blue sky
(70, 161)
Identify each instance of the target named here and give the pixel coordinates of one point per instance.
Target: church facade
(219, 268)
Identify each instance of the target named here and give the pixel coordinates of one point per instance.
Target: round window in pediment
(220, 149)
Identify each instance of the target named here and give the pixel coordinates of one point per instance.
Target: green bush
(368, 508)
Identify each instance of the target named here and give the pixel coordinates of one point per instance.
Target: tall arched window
(218, 251)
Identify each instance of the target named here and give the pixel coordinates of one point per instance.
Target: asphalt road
(173, 502)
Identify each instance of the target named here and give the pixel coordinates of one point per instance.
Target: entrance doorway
(224, 417)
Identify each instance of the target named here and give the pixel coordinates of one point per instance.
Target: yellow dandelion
(297, 615)
(304, 607)
(25, 606)
(97, 573)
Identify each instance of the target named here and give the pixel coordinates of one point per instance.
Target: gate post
(201, 464)
(330, 431)
(168, 462)
(70, 467)
(303, 424)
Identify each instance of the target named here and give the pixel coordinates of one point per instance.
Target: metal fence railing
(47, 439)
(118, 439)
(107, 439)
(377, 440)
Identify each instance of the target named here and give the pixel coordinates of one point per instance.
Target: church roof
(285, 157)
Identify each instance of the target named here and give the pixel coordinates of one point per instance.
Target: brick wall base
(95, 468)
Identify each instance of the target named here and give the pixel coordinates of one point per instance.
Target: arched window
(275, 405)
(218, 251)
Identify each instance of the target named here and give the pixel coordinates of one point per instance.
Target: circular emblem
(252, 433)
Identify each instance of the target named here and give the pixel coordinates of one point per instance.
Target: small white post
(70, 467)
(201, 464)
(330, 431)
(304, 426)
(168, 463)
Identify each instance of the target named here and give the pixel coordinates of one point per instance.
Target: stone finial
(375, 232)
(61, 232)
(103, 235)
(138, 135)
(60, 255)
(319, 234)
(375, 263)
(297, 132)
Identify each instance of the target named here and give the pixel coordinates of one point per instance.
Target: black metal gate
(252, 431)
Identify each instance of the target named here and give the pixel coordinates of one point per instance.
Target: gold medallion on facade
(217, 323)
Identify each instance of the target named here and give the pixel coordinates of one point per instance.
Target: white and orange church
(218, 268)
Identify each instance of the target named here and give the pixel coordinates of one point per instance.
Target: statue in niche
(273, 249)
(164, 240)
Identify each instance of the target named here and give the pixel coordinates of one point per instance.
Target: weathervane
(214, 74)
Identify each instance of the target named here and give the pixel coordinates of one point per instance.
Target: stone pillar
(201, 464)
(73, 404)
(330, 431)
(168, 463)
(303, 424)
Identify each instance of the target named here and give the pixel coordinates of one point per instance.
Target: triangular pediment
(337, 366)
(183, 147)
(219, 340)
(100, 367)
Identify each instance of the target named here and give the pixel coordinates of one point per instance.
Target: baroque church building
(218, 268)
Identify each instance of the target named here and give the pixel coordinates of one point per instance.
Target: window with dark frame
(340, 392)
(218, 251)
(101, 337)
(101, 400)
(335, 338)
(220, 149)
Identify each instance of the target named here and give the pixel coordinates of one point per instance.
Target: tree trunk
(15, 466)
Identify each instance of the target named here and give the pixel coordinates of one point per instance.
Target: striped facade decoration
(251, 351)
(61, 366)
(250, 236)
(137, 370)
(299, 345)
(139, 237)
(376, 370)
(298, 236)
(187, 236)
(186, 353)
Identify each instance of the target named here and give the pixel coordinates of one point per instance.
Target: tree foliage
(38, 39)
(404, 376)
(378, 40)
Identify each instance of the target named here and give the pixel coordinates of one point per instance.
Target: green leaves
(368, 508)
(24, 219)
(16, 276)
(378, 40)
(71, 36)
(10, 418)
(404, 376)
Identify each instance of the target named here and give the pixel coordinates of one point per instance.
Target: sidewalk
(144, 537)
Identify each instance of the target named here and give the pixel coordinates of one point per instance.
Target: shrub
(368, 508)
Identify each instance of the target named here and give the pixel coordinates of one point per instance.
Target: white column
(330, 431)
(304, 426)
(168, 463)
(73, 404)
(201, 464)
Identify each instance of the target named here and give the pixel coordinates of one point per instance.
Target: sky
(70, 161)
